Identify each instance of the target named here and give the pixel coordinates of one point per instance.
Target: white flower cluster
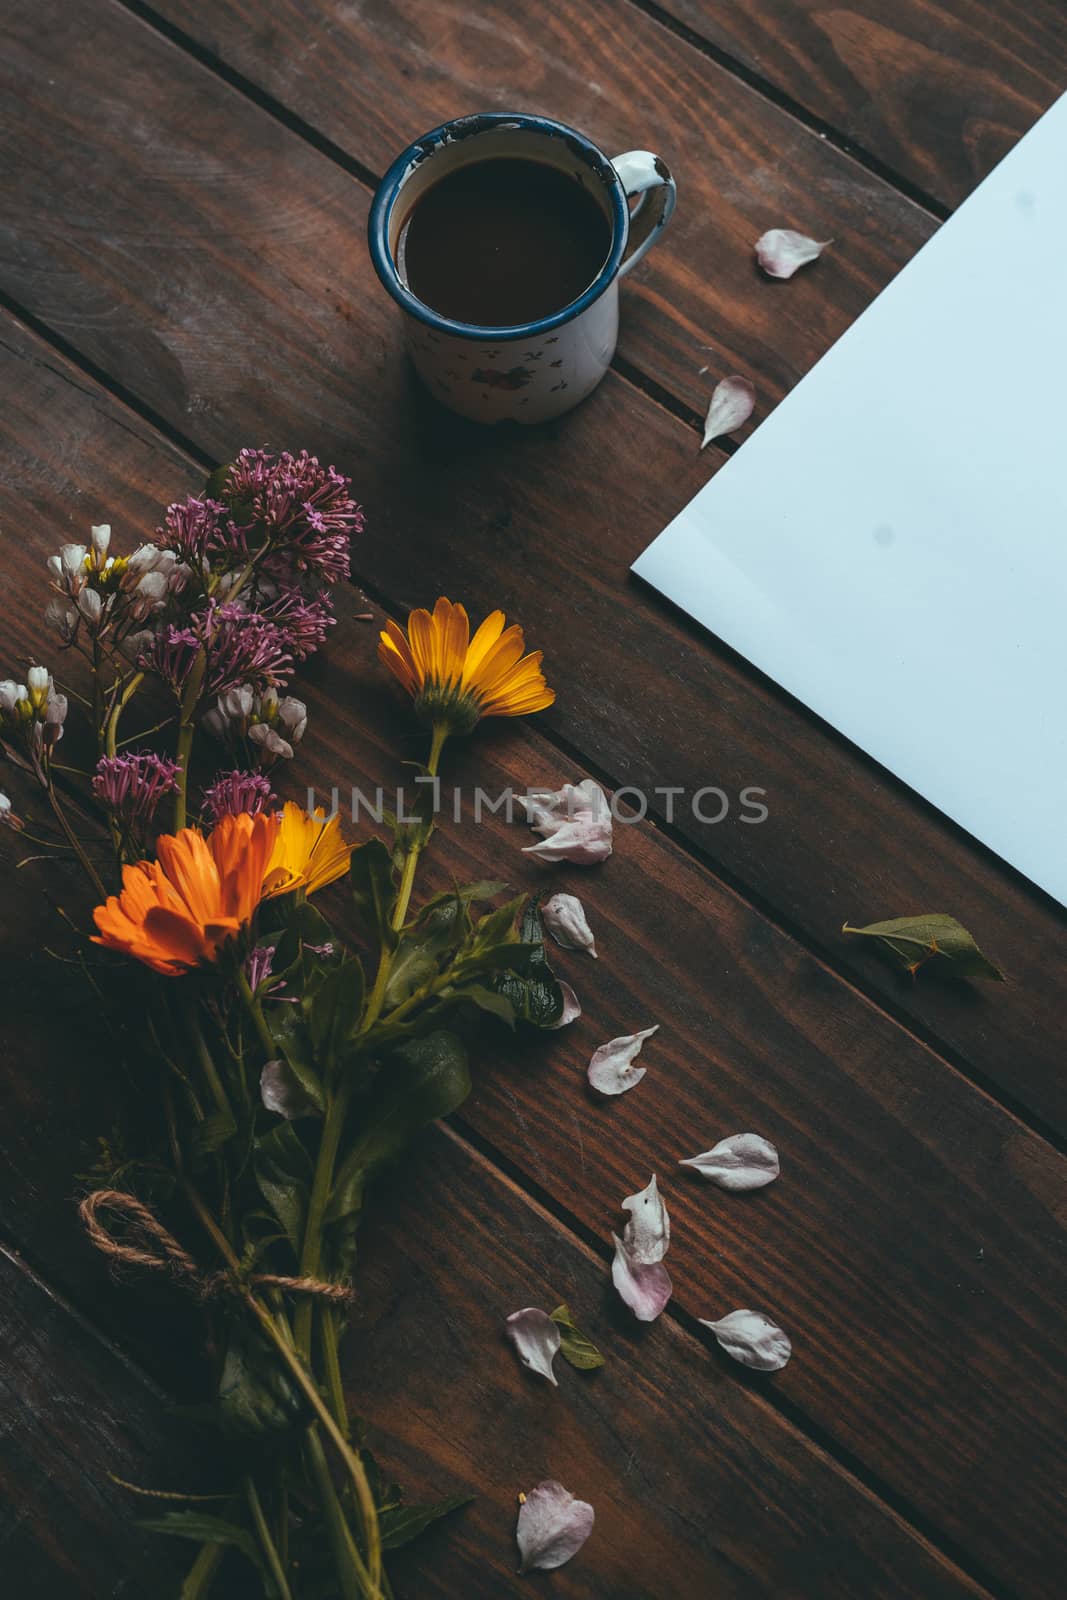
(270, 723)
(113, 595)
(35, 708)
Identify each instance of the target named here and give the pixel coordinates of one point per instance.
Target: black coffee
(503, 241)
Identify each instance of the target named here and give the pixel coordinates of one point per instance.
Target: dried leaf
(537, 1339)
(645, 1289)
(752, 1339)
(915, 940)
(611, 1069)
(743, 1161)
(564, 917)
(781, 251)
(572, 1009)
(552, 1526)
(647, 1235)
(574, 1346)
(732, 403)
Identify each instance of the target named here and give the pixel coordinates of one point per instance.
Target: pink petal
(645, 1289)
(553, 1526)
(547, 808)
(564, 917)
(611, 1069)
(781, 251)
(572, 1009)
(744, 1161)
(647, 1235)
(752, 1339)
(584, 841)
(281, 1092)
(732, 403)
(537, 1339)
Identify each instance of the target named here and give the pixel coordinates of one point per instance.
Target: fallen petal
(752, 1340)
(645, 1289)
(280, 1092)
(552, 1527)
(781, 251)
(547, 808)
(647, 1235)
(743, 1161)
(612, 1069)
(732, 403)
(537, 1339)
(572, 1009)
(564, 917)
(584, 841)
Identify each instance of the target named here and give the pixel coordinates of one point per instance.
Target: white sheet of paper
(891, 543)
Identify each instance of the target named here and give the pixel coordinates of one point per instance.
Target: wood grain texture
(698, 1488)
(131, 245)
(938, 90)
(71, 1414)
(914, 1245)
(374, 77)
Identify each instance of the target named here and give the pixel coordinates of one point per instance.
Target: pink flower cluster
(131, 786)
(240, 647)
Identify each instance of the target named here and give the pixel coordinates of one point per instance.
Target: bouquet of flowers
(283, 1060)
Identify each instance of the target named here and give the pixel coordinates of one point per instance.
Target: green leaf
(399, 1525)
(334, 1009)
(371, 877)
(215, 487)
(915, 940)
(289, 1033)
(489, 1000)
(532, 989)
(574, 1346)
(283, 1172)
(257, 1399)
(421, 1080)
(213, 1132)
(205, 1529)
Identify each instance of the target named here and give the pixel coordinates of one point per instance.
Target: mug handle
(649, 176)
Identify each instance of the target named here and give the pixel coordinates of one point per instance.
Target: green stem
(335, 1388)
(208, 1067)
(186, 727)
(403, 897)
(255, 1011)
(277, 1571)
(112, 729)
(201, 1574)
(350, 1568)
(321, 1185)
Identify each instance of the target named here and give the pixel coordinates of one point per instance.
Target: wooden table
(183, 271)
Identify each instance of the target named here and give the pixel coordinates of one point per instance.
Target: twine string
(150, 1245)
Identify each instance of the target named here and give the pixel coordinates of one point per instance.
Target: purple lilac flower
(304, 619)
(131, 786)
(242, 647)
(307, 509)
(196, 529)
(234, 792)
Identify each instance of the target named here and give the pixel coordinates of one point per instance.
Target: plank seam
(795, 109)
(1028, 1118)
(789, 1411)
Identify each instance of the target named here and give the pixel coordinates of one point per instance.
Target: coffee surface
(503, 241)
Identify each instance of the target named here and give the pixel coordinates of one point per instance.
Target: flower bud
(292, 718)
(62, 618)
(39, 684)
(100, 538)
(270, 744)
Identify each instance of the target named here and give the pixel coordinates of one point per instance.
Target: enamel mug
(533, 370)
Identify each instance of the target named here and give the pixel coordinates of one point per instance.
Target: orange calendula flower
(309, 852)
(177, 912)
(454, 679)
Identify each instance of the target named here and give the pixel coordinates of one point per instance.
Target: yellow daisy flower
(455, 680)
(309, 852)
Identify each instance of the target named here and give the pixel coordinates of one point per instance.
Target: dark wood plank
(263, 318)
(71, 1414)
(698, 1488)
(372, 79)
(914, 1244)
(938, 90)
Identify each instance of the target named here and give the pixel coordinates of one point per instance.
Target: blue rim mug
(533, 370)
